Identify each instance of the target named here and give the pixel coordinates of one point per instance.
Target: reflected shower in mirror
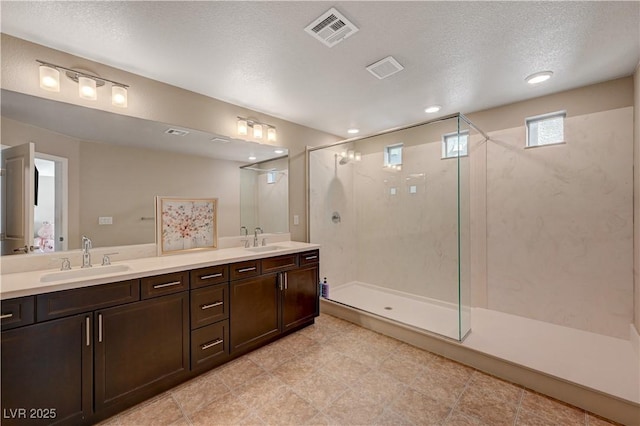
(264, 196)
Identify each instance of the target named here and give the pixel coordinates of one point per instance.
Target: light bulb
(271, 134)
(358, 156)
(87, 88)
(242, 127)
(119, 96)
(351, 154)
(257, 131)
(49, 78)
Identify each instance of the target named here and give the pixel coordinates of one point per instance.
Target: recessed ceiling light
(432, 109)
(252, 157)
(353, 131)
(539, 77)
(279, 151)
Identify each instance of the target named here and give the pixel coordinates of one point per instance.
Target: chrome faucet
(86, 256)
(255, 236)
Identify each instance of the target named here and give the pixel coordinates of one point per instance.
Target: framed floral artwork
(185, 224)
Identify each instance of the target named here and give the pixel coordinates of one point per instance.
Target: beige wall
(156, 101)
(636, 196)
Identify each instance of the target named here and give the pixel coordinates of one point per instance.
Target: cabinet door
(254, 311)
(47, 372)
(141, 348)
(300, 302)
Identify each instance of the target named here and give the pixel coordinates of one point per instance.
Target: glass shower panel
(469, 138)
(392, 216)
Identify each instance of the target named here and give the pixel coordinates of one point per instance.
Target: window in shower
(393, 155)
(455, 144)
(547, 129)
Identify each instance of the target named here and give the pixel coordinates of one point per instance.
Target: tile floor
(336, 373)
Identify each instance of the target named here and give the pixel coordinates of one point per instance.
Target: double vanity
(81, 345)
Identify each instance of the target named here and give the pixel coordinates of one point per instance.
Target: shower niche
(401, 249)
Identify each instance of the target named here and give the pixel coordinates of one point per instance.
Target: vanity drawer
(17, 312)
(309, 257)
(240, 270)
(209, 305)
(279, 263)
(71, 302)
(164, 284)
(208, 276)
(210, 345)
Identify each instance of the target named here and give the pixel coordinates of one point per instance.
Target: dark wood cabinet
(47, 372)
(78, 356)
(140, 346)
(268, 305)
(300, 302)
(255, 310)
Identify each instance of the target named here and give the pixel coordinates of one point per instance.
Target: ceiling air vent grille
(176, 132)
(385, 67)
(331, 28)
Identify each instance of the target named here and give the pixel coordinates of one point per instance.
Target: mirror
(264, 196)
(114, 166)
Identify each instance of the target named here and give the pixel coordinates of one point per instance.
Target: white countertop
(28, 283)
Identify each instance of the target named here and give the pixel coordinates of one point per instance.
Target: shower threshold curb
(589, 399)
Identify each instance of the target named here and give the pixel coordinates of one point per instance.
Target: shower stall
(392, 213)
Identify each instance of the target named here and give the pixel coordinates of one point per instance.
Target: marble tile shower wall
(560, 224)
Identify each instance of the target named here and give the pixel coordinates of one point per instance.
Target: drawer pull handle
(310, 257)
(167, 284)
(210, 345)
(253, 268)
(206, 277)
(6, 316)
(211, 305)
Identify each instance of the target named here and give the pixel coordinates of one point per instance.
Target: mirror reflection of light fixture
(87, 83)
(49, 78)
(271, 134)
(243, 125)
(257, 131)
(349, 155)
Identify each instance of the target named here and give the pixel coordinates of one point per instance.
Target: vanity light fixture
(279, 151)
(87, 83)
(252, 158)
(349, 155)
(243, 125)
(539, 77)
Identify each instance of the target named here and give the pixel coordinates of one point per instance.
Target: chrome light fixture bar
(87, 83)
(243, 125)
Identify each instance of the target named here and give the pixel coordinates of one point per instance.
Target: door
(300, 302)
(141, 349)
(16, 222)
(47, 372)
(254, 311)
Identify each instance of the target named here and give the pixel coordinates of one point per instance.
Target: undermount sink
(262, 249)
(83, 272)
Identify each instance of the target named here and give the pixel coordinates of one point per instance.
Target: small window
(455, 144)
(546, 129)
(271, 177)
(393, 155)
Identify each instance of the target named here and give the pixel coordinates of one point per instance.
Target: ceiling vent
(385, 67)
(331, 28)
(176, 132)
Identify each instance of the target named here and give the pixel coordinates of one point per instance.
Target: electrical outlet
(105, 220)
(296, 219)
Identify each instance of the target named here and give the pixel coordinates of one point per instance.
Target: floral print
(188, 224)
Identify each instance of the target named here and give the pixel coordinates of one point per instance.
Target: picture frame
(186, 224)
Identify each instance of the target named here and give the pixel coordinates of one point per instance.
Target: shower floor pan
(422, 312)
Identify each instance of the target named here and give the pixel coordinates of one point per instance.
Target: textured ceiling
(465, 56)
